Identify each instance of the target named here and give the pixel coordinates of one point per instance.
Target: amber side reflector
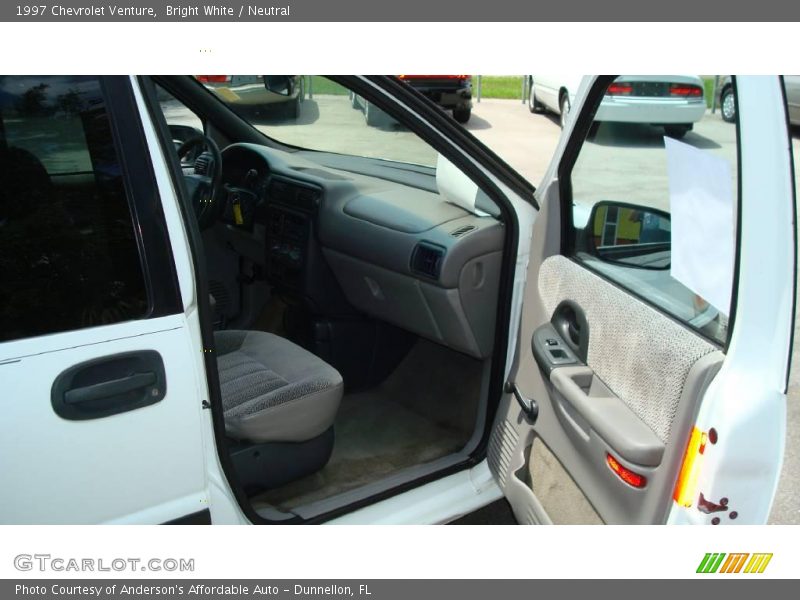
(628, 476)
(686, 487)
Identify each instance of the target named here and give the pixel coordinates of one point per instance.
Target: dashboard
(334, 239)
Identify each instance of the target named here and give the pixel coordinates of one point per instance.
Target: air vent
(462, 230)
(280, 191)
(427, 259)
(202, 166)
(297, 196)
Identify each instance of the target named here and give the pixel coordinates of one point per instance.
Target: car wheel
(462, 114)
(353, 100)
(728, 105)
(533, 104)
(564, 106)
(677, 131)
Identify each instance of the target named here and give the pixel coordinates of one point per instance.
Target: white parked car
(675, 102)
(247, 330)
(553, 93)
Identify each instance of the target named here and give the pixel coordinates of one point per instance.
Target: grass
(506, 86)
(499, 86)
(323, 85)
(708, 83)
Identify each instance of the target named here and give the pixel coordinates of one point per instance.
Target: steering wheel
(206, 190)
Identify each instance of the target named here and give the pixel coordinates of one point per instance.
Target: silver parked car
(727, 103)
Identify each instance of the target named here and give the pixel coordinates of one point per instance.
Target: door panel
(619, 371)
(100, 381)
(642, 355)
(616, 381)
(144, 465)
(646, 392)
(561, 498)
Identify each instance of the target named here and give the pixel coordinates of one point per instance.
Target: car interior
(357, 305)
(354, 304)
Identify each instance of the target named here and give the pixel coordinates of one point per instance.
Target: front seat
(279, 402)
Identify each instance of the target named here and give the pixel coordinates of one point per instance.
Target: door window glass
(625, 210)
(68, 252)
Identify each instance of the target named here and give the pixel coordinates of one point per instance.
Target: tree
(70, 103)
(32, 101)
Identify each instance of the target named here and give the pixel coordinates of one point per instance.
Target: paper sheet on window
(455, 187)
(702, 221)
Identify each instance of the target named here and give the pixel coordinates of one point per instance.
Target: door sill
(437, 502)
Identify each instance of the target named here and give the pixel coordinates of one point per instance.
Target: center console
(291, 208)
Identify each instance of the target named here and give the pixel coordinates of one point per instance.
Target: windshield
(316, 113)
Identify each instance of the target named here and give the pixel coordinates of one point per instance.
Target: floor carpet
(424, 410)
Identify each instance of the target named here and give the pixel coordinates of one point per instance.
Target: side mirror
(279, 84)
(629, 235)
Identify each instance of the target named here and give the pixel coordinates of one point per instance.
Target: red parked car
(453, 92)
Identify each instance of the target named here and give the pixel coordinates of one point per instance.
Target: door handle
(570, 322)
(109, 385)
(107, 389)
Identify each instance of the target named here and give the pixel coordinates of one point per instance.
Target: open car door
(652, 357)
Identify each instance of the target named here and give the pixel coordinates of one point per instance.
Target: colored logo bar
(737, 562)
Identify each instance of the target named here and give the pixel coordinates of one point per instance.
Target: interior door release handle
(107, 389)
(529, 406)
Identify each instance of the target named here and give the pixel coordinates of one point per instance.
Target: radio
(290, 212)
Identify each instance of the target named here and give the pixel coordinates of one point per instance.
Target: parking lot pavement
(525, 141)
(622, 162)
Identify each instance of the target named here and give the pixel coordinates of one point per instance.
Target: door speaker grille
(501, 447)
